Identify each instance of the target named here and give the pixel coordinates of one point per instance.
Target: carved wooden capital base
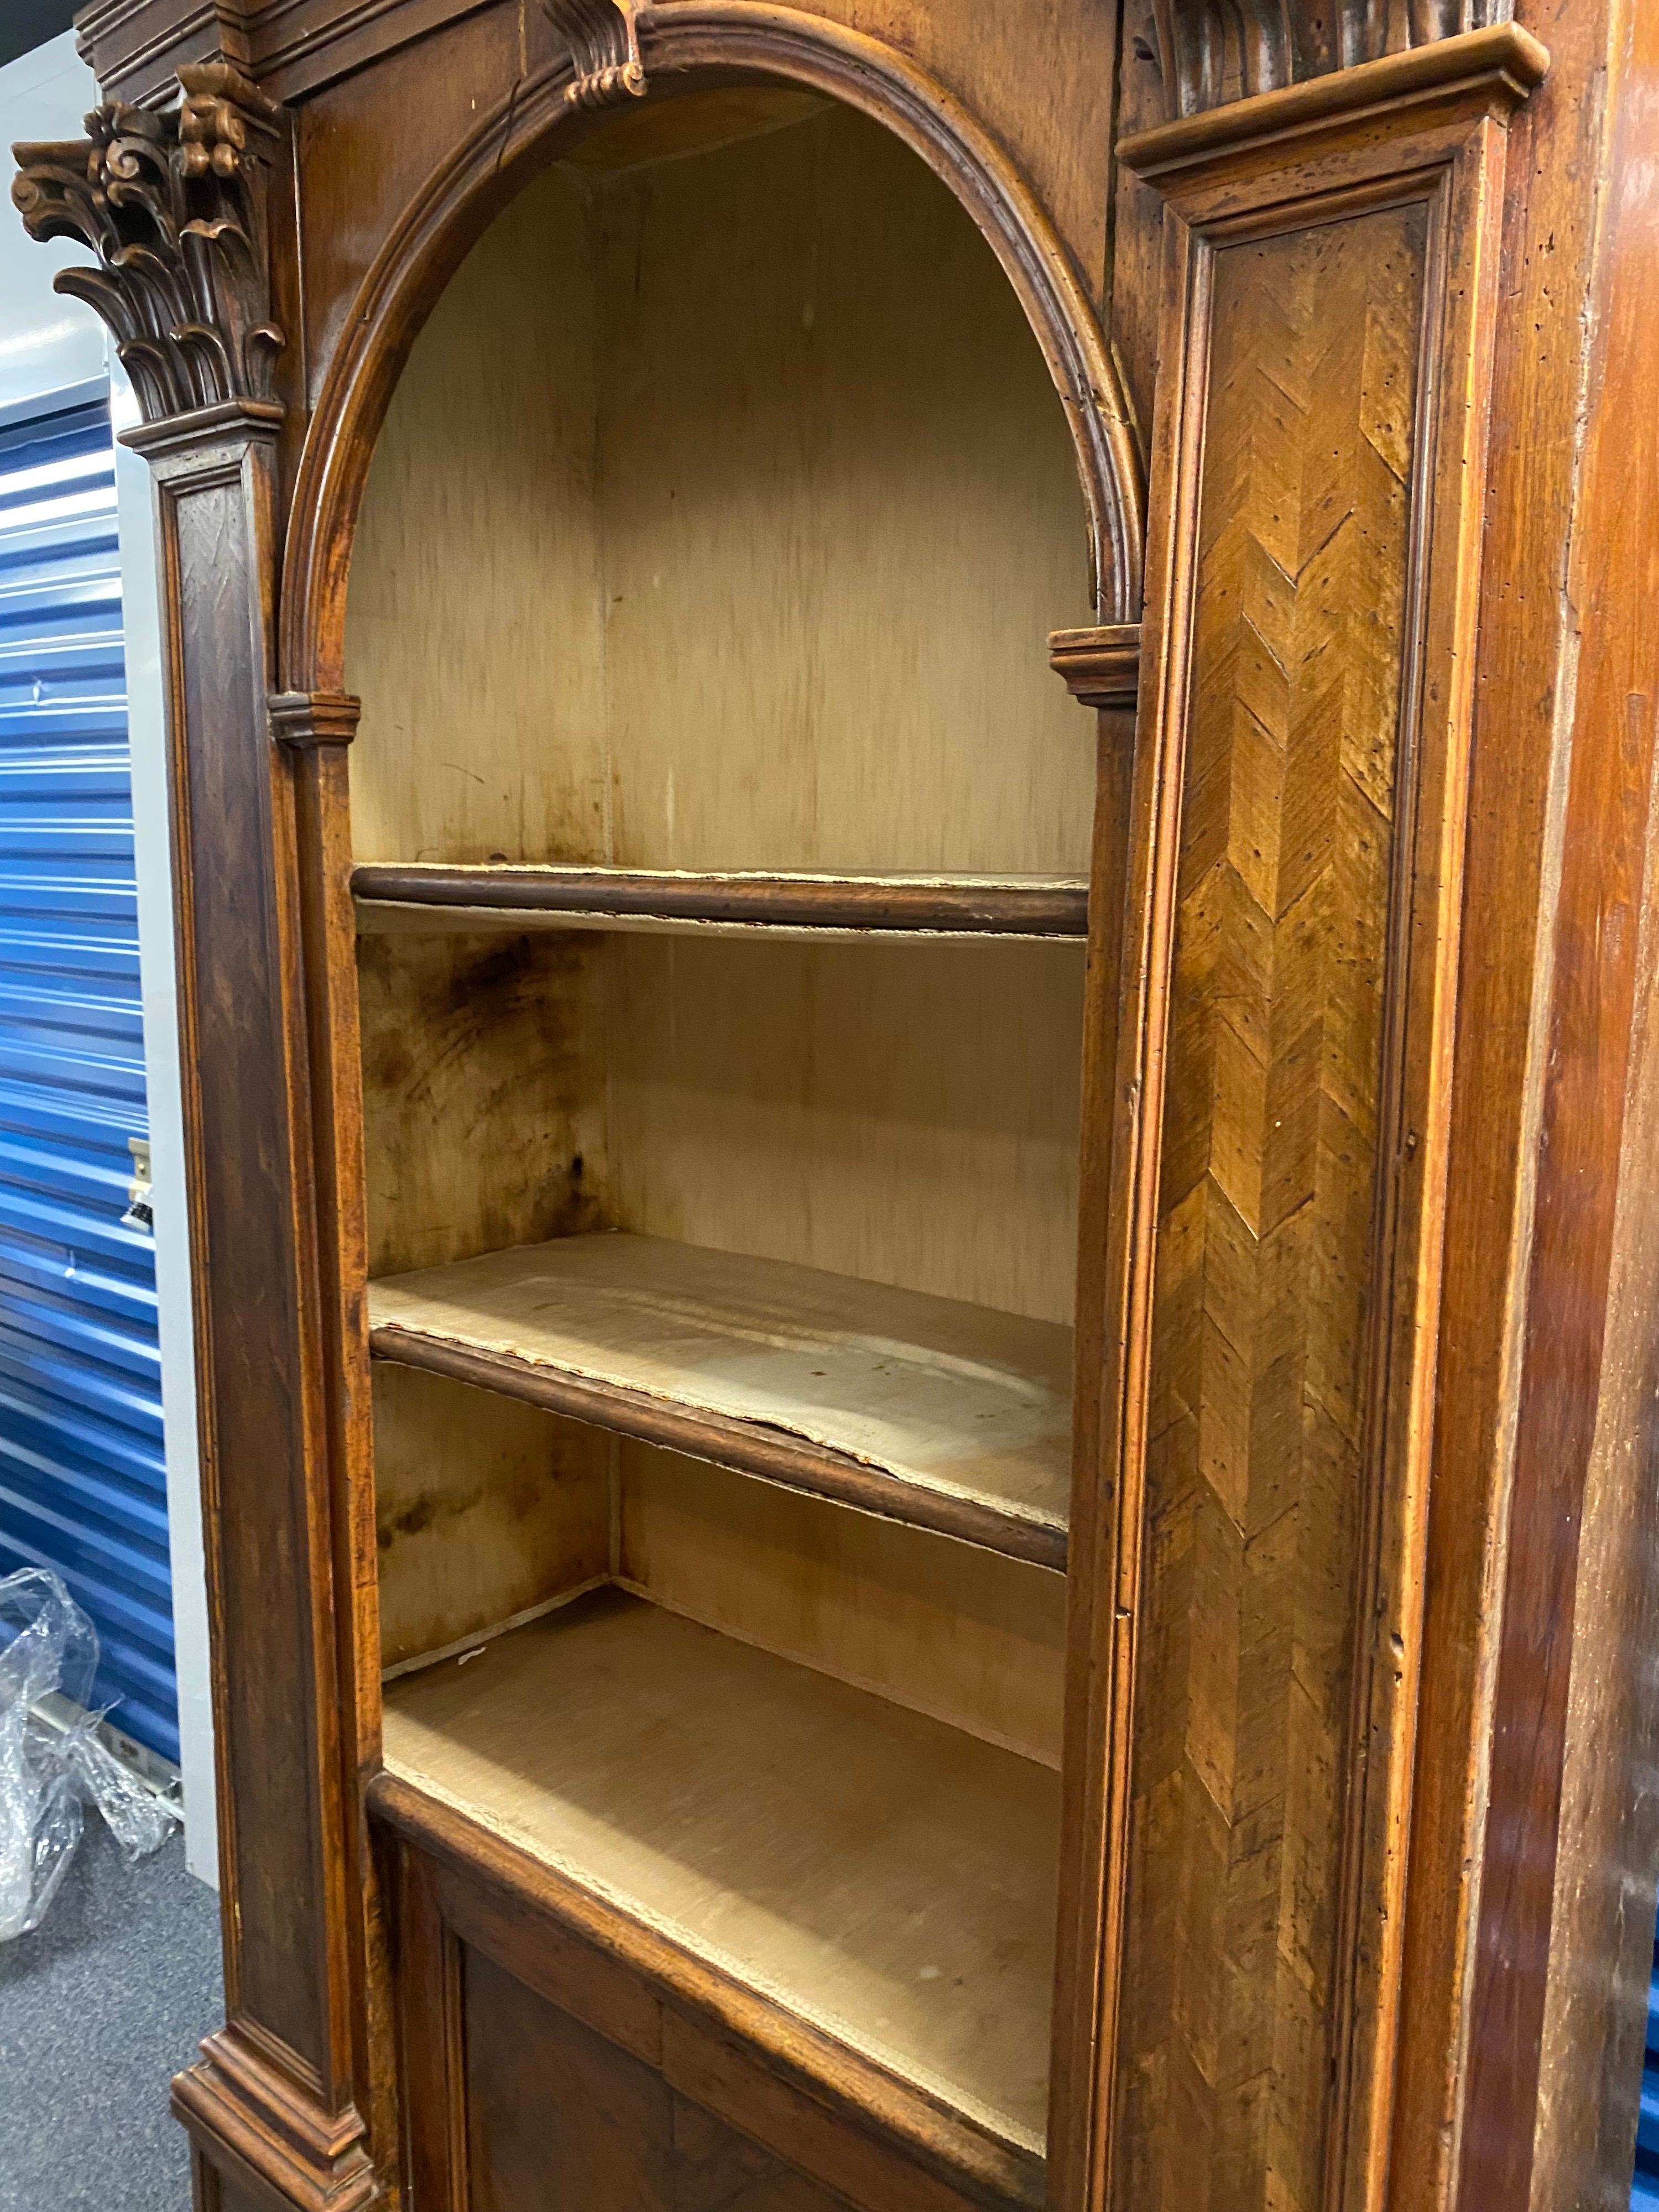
(302, 719)
(267, 2137)
(1101, 666)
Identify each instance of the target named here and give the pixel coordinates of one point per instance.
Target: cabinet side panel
(559, 2118)
(1269, 1250)
(248, 1204)
(556, 2116)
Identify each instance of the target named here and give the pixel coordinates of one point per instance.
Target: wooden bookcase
(912, 764)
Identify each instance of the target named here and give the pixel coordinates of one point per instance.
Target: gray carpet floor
(99, 2008)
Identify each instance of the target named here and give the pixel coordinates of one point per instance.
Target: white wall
(49, 346)
(45, 343)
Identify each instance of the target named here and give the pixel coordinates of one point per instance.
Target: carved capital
(1212, 51)
(173, 206)
(604, 50)
(1101, 667)
(302, 719)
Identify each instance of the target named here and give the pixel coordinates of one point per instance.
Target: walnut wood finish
(1262, 1353)
(1485, 2014)
(1297, 841)
(1099, 668)
(967, 906)
(1562, 1951)
(282, 2092)
(1207, 60)
(280, 2095)
(174, 207)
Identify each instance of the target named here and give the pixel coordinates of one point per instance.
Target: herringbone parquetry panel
(1266, 1252)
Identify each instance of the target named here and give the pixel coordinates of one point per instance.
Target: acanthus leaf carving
(604, 50)
(174, 207)
(1210, 53)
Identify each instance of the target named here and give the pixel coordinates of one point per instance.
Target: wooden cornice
(173, 206)
(1497, 66)
(1210, 56)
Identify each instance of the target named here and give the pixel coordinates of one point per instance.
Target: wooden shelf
(926, 1410)
(428, 898)
(887, 1878)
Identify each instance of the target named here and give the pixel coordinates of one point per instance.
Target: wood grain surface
(558, 2118)
(962, 1406)
(1266, 1269)
(431, 897)
(822, 2108)
(963, 1633)
(708, 586)
(885, 1877)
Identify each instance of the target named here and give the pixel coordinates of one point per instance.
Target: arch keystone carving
(604, 50)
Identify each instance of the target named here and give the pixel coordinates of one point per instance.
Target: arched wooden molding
(677, 45)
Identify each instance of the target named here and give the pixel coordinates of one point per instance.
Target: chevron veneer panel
(1265, 1338)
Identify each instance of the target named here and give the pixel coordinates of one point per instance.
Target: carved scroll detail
(605, 47)
(173, 206)
(1211, 52)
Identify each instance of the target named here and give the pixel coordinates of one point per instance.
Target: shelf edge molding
(746, 1447)
(972, 906)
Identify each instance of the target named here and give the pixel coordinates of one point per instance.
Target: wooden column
(1280, 1130)
(175, 205)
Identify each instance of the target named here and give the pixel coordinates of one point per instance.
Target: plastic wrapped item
(49, 1652)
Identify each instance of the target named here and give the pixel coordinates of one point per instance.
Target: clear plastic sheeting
(48, 1772)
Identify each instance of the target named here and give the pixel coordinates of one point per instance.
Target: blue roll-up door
(1644, 2193)
(82, 1480)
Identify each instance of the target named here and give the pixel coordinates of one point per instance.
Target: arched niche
(724, 501)
(716, 519)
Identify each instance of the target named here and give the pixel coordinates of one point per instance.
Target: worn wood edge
(1100, 667)
(969, 906)
(520, 132)
(1503, 61)
(409, 917)
(280, 2146)
(745, 1447)
(994, 2172)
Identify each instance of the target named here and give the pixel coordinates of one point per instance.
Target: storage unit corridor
(721, 841)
